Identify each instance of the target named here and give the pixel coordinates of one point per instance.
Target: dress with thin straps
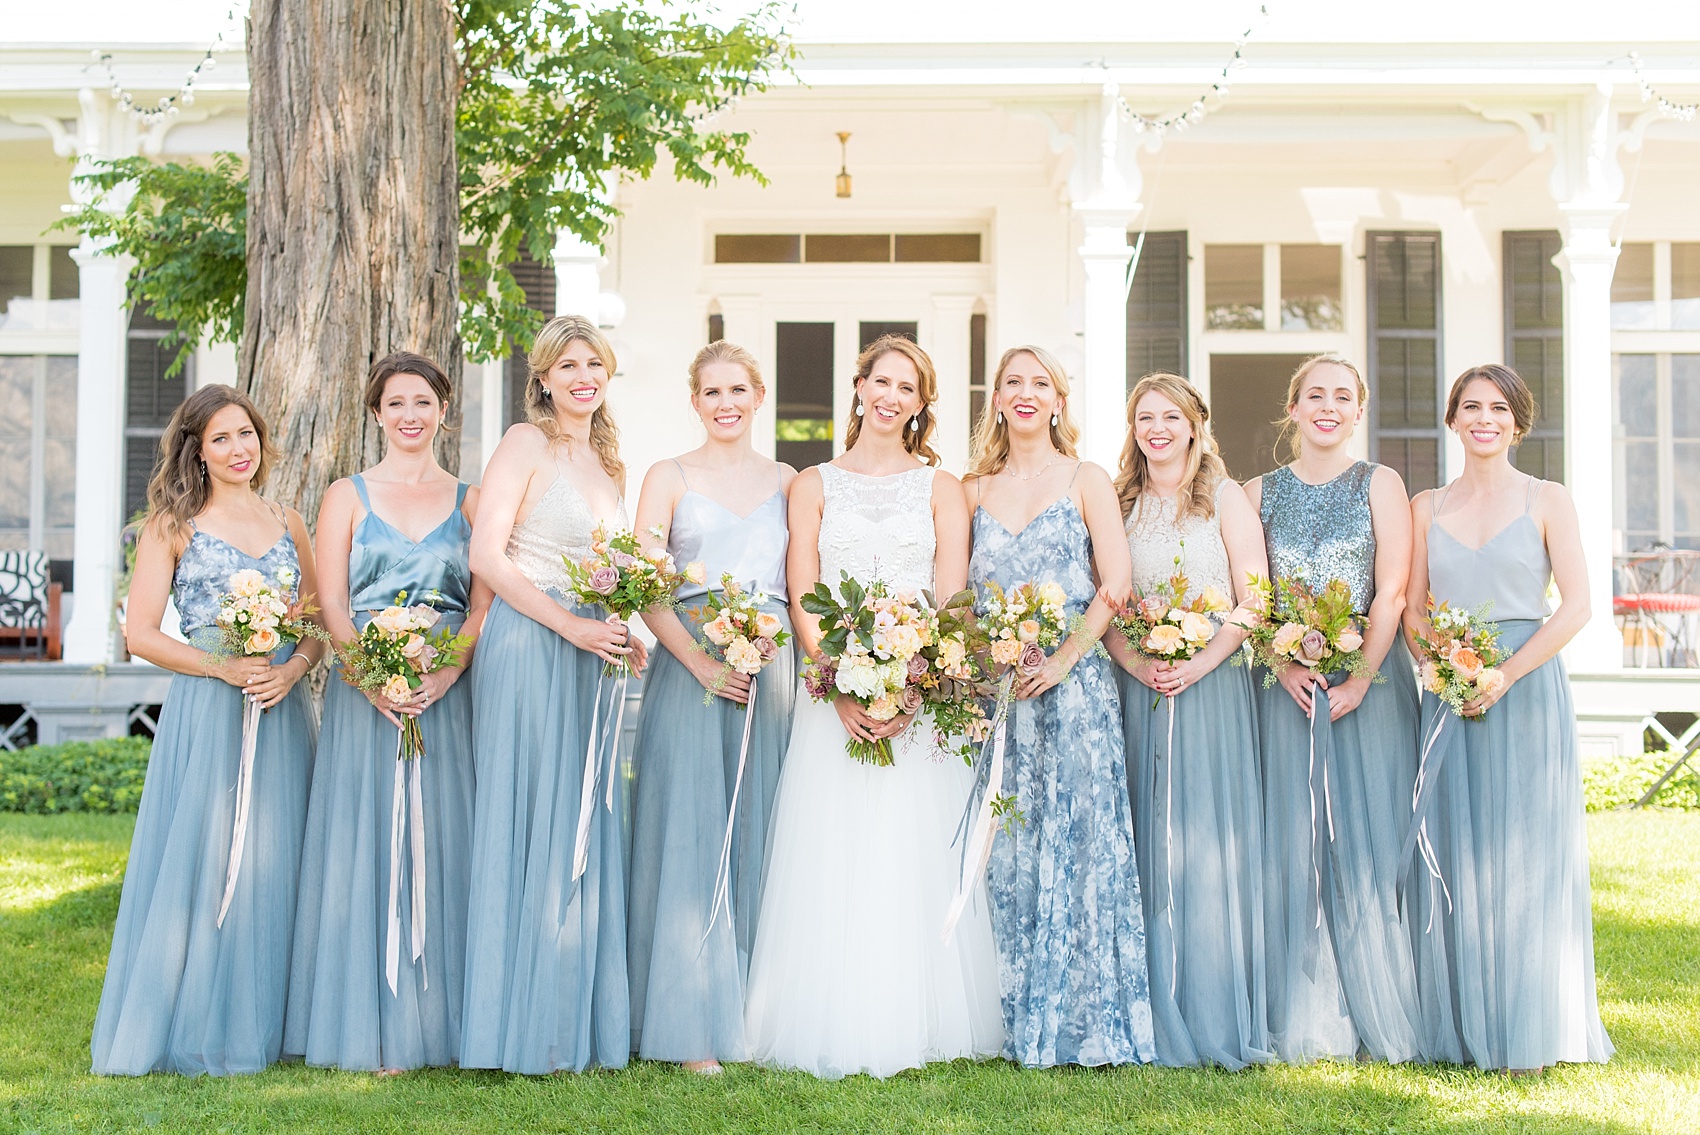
(1505, 969)
(689, 957)
(341, 1010)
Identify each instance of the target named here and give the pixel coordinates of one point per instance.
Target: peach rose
(1491, 681)
(1164, 639)
(263, 641)
(1287, 638)
(718, 630)
(1466, 662)
(743, 657)
(883, 708)
(1028, 631)
(247, 583)
(768, 626)
(1005, 651)
(397, 689)
(1350, 641)
(413, 647)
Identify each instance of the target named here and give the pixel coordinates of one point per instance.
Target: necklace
(1035, 474)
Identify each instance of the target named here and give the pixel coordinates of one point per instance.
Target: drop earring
(915, 424)
(1000, 417)
(858, 408)
(1053, 421)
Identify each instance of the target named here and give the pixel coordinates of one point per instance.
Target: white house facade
(1501, 191)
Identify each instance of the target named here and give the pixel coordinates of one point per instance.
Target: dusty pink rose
(604, 580)
(427, 660)
(622, 560)
(766, 647)
(1313, 647)
(1032, 659)
(917, 667)
(1152, 608)
(427, 615)
(910, 699)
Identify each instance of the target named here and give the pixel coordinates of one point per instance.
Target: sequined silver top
(1322, 532)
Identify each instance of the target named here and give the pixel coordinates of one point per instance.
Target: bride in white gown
(851, 972)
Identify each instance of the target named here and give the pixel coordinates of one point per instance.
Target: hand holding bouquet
(392, 655)
(623, 578)
(741, 636)
(1315, 628)
(1460, 656)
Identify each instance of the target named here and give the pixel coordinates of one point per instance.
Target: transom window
(1656, 287)
(1272, 287)
(847, 248)
(38, 288)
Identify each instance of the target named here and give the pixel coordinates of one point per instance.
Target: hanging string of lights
(1683, 111)
(1206, 102)
(168, 106)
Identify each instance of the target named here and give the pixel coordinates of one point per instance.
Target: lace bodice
(560, 524)
(1155, 540)
(877, 526)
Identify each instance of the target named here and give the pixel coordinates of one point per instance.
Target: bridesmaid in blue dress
(1340, 970)
(722, 505)
(401, 526)
(184, 993)
(1062, 884)
(1506, 970)
(1198, 806)
(546, 953)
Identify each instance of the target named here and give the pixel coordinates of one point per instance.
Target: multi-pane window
(803, 426)
(38, 288)
(1404, 355)
(1233, 287)
(978, 379)
(1273, 287)
(150, 399)
(1310, 288)
(847, 248)
(537, 280)
(38, 453)
(1534, 344)
(1657, 431)
(1157, 308)
(1656, 286)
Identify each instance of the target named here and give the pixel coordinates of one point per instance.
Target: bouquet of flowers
(1166, 624)
(1316, 628)
(895, 653)
(1024, 625)
(740, 634)
(394, 653)
(1460, 655)
(623, 578)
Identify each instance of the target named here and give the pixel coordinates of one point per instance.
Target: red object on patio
(1655, 602)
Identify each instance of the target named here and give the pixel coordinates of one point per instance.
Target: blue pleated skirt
(1506, 970)
(1198, 838)
(688, 990)
(183, 994)
(341, 1010)
(545, 956)
(1335, 817)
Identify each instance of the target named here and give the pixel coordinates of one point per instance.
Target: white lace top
(1155, 539)
(877, 526)
(560, 524)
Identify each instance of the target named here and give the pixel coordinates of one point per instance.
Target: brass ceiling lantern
(844, 163)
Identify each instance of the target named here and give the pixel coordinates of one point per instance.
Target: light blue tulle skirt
(1198, 838)
(341, 1010)
(1351, 979)
(182, 993)
(688, 989)
(545, 956)
(1506, 970)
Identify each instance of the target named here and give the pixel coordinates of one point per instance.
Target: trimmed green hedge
(1620, 782)
(77, 776)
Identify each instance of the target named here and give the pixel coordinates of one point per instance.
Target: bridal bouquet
(1460, 655)
(1316, 628)
(1024, 625)
(1167, 625)
(623, 578)
(894, 653)
(740, 634)
(394, 652)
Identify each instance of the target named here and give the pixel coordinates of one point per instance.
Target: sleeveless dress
(182, 993)
(1197, 824)
(851, 972)
(545, 956)
(341, 1010)
(1334, 825)
(1063, 887)
(1506, 971)
(688, 992)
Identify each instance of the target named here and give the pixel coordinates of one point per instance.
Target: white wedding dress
(851, 972)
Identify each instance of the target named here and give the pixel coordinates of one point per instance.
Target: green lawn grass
(59, 882)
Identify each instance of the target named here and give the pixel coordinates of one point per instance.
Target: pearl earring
(858, 409)
(1053, 420)
(915, 424)
(1000, 417)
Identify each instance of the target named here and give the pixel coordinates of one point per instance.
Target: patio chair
(29, 608)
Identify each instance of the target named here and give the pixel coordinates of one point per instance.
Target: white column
(492, 407)
(578, 275)
(100, 448)
(1587, 262)
(948, 341)
(1101, 390)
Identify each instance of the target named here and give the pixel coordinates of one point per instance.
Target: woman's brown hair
(927, 385)
(405, 362)
(991, 436)
(1288, 434)
(1204, 467)
(551, 344)
(1517, 394)
(178, 490)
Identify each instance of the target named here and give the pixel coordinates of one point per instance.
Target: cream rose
(767, 625)
(743, 657)
(394, 621)
(1350, 641)
(413, 647)
(1213, 599)
(247, 583)
(1051, 594)
(397, 689)
(1028, 631)
(263, 641)
(1490, 681)
(1197, 629)
(883, 708)
(1287, 638)
(1164, 639)
(902, 640)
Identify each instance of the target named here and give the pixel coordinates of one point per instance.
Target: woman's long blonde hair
(991, 435)
(1204, 467)
(551, 344)
(1288, 434)
(916, 441)
(179, 488)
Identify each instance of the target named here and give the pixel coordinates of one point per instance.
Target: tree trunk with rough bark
(353, 223)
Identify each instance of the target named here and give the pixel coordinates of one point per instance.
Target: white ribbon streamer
(1425, 847)
(977, 852)
(1169, 850)
(587, 790)
(244, 794)
(723, 873)
(407, 813)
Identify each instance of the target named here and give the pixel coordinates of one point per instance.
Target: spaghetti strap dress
(341, 1010)
(689, 959)
(1337, 803)
(182, 993)
(1197, 823)
(545, 954)
(1505, 967)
